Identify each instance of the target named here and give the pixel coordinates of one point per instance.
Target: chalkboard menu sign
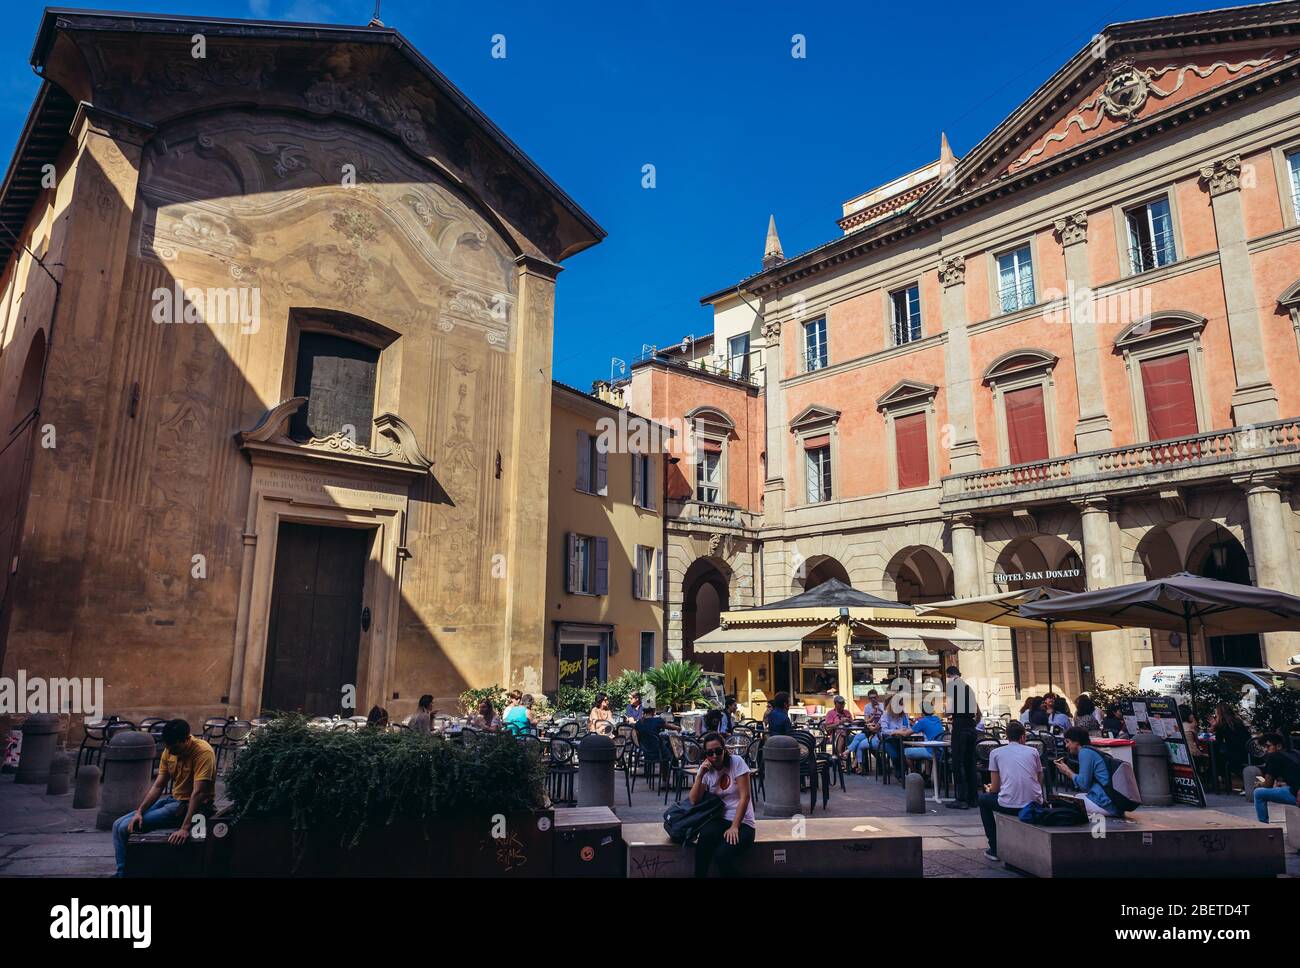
(1159, 715)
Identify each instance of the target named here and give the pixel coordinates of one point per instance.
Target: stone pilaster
(1255, 399)
(1111, 652)
(1271, 541)
(529, 469)
(967, 580)
(965, 453)
(1092, 432)
(777, 432)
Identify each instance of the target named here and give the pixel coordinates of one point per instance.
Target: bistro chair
(561, 770)
(684, 765)
(234, 740)
(95, 737)
(814, 766)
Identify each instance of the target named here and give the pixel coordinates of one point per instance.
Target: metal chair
(95, 737)
(234, 740)
(814, 766)
(561, 771)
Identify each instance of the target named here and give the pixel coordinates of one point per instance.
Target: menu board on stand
(1159, 715)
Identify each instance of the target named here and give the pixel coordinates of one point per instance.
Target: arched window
(712, 429)
(1024, 400)
(1162, 354)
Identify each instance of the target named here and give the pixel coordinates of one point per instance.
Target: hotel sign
(1003, 578)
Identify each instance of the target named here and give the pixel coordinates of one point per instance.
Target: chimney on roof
(772, 254)
(947, 160)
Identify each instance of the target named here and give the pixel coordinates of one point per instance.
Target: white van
(1164, 680)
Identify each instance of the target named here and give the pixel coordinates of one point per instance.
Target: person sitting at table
(378, 717)
(837, 728)
(601, 718)
(1086, 715)
(486, 718)
(1057, 710)
(777, 717)
(1093, 776)
(1015, 780)
(1281, 779)
(633, 712)
(1113, 722)
(1035, 715)
(519, 716)
(729, 715)
(723, 839)
(868, 738)
(648, 730)
(894, 727)
(713, 721)
(930, 726)
(421, 721)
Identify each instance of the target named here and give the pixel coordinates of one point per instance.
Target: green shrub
(1105, 696)
(343, 782)
(1276, 711)
(677, 685)
(1209, 692)
(471, 699)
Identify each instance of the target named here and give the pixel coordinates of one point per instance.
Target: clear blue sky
(708, 93)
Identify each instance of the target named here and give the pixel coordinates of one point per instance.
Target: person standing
(723, 839)
(965, 712)
(1015, 780)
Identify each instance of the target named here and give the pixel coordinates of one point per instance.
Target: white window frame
(1123, 231)
(821, 345)
(710, 425)
(816, 421)
(647, 573)
(743, 371)
(702, 483)
(1020, 268)
(905, 292)
(825, 483)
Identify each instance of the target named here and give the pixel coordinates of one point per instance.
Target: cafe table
(935, 745)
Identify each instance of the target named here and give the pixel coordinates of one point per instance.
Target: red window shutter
(812, 443)
(1026, 424)
(1167, 389)
(711, 446)
(912, 450)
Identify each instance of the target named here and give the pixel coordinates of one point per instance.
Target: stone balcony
(1157, 465)
(693, 512)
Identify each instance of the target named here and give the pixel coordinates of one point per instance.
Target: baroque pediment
(393, 445)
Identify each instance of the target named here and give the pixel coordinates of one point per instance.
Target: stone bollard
(1151, 766)
(86, 796)
(128, 771)
(40, 737)
(781, 776)
(915, 787)
(595, 771)
(60, 776)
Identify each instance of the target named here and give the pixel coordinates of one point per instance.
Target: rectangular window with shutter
(643, 481)
(600, 566)
(592, 465)
(906, 305)
(814, 342)
(1169, 398)
(643, 573)
(1026, 424)
(648, 651)
(1150, 235)
(912, 451)
(708, 475)
(588, 565)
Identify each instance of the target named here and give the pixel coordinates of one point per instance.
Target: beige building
(1071, 356)
(276, 316)
(605, 560)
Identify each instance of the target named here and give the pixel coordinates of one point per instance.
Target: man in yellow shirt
(191, 766)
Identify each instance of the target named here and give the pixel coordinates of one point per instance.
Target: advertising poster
(1159, 715)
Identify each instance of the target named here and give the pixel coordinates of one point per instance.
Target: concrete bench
(1292, 817)
(866, 847)
(149, 855)
(1149, 843)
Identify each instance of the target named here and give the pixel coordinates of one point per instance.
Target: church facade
(277, 330)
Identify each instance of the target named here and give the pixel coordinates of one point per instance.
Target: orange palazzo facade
(1071, 356)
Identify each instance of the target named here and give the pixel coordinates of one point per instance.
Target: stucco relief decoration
(1223, 175)
(1129, 91)
(392, 111)
(460, 477)
(952, 270)
(285, 157)
(1072, 229)
(772, 330)
(393, 440)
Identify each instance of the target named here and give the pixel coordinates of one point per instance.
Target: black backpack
(683, 821)
(1121, 802)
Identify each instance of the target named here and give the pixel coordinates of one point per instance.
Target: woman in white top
(727, 837)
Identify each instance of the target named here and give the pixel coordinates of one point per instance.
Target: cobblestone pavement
(42, 836)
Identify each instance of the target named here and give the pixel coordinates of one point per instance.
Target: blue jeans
(166, 814)
(1266, 795)
(859, 745)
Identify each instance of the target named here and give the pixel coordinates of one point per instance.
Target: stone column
(1271, 540)
(1092, 432)
(777, 432)
(1255, 399)
(965, 453)
(528, 469)
(1111, 659)
(966, 580)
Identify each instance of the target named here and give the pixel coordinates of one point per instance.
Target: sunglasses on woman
(715, 752)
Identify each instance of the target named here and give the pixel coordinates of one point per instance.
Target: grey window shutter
(636, 573)
(571, 556)
(659, 574)
(602, 472)
(649, 474)
(584, 461)
(637, 461)
(602, 566)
